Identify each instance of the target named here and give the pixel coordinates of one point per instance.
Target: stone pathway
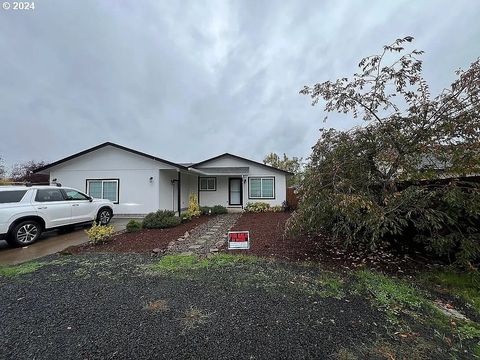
(206, 238)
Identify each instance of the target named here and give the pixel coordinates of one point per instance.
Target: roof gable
(105, 144)
(202, 163)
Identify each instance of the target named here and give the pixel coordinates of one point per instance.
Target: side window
(11, 196)
(75, 195)
(47, 195)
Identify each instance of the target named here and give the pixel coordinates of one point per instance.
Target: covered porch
(226, 186)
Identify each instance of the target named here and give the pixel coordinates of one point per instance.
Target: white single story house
(139, 183)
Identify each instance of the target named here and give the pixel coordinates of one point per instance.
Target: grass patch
(465, 285)
(331, 285)
(392, 295)
(183, 263)
(21, 269)
(468, 331)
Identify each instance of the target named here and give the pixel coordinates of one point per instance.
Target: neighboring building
(139, 183)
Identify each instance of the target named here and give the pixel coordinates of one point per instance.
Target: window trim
(207, 178)
(261, 190)
(87, 187)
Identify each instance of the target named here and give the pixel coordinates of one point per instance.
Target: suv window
(11, 196)
(45, 195)
(75, 195)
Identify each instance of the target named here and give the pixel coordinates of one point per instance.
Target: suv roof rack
(27, 183)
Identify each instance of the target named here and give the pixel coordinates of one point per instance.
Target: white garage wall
(137, 195)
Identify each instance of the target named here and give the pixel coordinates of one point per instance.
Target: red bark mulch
(142, 241)
(267, 239)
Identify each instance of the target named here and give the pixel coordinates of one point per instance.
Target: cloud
(188, 80)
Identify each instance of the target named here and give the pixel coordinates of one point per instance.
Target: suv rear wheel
(104, 216)
(24, 233)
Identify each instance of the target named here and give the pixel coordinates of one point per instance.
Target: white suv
(26, 211)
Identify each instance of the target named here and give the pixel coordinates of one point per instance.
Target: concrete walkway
(206, 238)
(50, 242)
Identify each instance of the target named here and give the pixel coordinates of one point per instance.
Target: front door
(235, 191)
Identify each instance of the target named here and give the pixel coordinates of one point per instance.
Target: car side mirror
(90, 199)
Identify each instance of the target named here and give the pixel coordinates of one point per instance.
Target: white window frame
(102, 181)
(261, 178)
(206, 179)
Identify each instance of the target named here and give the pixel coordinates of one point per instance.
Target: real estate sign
(238, 240)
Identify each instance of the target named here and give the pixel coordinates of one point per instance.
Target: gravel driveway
(138, 306)
(105, 306)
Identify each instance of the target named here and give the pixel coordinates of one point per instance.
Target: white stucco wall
(217, 197)
(168, 190)
(137, 195)
(220, 196)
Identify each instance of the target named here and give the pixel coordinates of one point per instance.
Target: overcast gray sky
(186, 80)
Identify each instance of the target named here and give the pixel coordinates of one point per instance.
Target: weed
(157, 306)
(17, 270)
(344, 354)
(193, 318)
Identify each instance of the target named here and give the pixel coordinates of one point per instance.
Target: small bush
(206, 210)
(186, 216)
(161, 219)
(99, 234)
(277, 208)
(133, 226)
(219, 209)
(257, 207)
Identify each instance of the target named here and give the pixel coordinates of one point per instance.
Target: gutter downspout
(179, 192)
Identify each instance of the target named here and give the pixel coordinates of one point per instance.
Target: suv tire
(104, 216)
(24, 233)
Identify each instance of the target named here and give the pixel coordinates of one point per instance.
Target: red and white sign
(238, 240)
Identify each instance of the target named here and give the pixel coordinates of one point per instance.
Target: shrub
(277, 208)
(219, 209)
(99, 234)
(257, 207)
(186, 216)
(206, 210)
(193, 207)
(133, 226)
(161, 219)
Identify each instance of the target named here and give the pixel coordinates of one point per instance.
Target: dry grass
(157, 306)
(193, 318)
